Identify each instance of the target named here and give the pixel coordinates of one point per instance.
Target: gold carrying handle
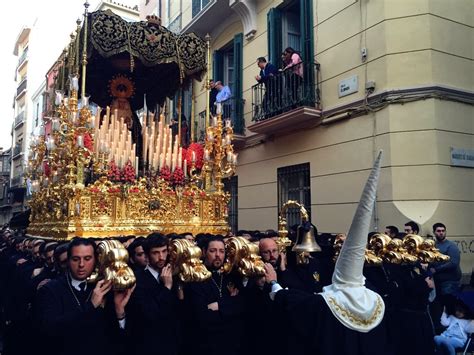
(283, 241)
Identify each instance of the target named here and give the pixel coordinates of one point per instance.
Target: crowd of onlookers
(48, 307)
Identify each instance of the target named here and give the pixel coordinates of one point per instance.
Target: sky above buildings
(53, 21)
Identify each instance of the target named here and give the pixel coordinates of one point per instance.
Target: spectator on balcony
(267, 70)
(223, 97)
(293, 62)
(293, 76)
(268, 73)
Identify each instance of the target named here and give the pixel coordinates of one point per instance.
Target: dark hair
(401, 235)
(392, 229)
(289, 50)
(271, 233)
(155, 240)
(261, 60)
(173, 236)
(77, 241)
(138, 242)
(413, 226)
(125, 238)
(48, 247)
(437, 225)
(212, 238)
(61, 248)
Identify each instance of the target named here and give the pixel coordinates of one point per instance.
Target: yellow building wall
(411, 43)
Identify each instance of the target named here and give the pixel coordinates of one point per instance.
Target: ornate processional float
(122, 170)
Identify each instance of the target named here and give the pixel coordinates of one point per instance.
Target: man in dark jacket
(268, 77)
(152, 311)
(74, 315)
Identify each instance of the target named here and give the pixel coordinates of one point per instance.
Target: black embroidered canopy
(156, 60)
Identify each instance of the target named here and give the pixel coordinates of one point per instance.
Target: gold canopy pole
(70, 60)
(208, 87)
(192, 111)
(180, 110)
(84, 52)
(78, 42)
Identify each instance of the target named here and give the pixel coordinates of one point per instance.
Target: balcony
(232, 109)
(207, 15)
(287, 102)
(23, 58)
(17, 151)
(22, 87)
(17, 181)
(20, 119)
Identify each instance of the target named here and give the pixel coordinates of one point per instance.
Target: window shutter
(238, 85)
(217, 66)
(274, 36)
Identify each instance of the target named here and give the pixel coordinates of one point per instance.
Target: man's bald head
(269, 251)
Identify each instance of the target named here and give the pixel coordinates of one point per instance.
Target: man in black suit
(74, 315)
(268, 77)
(152, 311)
(216, 308)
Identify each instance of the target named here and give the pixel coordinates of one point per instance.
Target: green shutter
(238, 85)
(274, 36)
(306, 29)
(217, 66)
(307, 48)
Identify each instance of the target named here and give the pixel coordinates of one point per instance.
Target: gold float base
(108, 210)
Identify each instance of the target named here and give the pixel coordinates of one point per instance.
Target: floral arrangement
(165, 173)
(198, 152)
(178, 177)
(113, 172)
(128, 173)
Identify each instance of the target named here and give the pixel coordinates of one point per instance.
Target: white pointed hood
(355, 306)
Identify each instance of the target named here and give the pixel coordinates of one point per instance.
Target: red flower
(113, 173)
(128, 173)
(178, 177)
(199, 154)
(46, 169)
(88, 142)
(165, 173)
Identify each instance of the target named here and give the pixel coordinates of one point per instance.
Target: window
(290, 26)
(291, 35)
(231, 186)
(198, 5)
(228, 68)
(294, 184)
(37, 114)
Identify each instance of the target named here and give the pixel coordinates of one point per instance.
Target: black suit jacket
(216, 332)
(152, 318)
(72, 329)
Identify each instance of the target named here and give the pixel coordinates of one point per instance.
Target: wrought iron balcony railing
(22, 58)
(20, 118)
(17, 150)
(17, 181)
(294, 87)
(21, 87)
(232, 109)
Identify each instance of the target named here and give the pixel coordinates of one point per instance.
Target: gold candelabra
(219, 157)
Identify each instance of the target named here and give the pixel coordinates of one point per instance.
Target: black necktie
(82, 286)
